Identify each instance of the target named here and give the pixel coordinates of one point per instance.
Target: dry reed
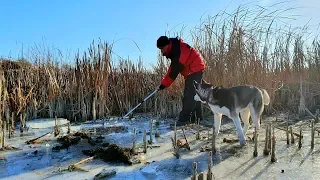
(239, 48)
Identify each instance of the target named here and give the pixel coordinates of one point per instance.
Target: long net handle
(141, 103)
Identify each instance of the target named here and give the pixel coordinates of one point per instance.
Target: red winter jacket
(184, 60)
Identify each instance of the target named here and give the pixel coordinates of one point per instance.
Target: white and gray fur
(246, 100)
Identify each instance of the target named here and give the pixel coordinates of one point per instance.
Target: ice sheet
(230, 162)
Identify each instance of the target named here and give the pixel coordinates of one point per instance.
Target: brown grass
(246, 47)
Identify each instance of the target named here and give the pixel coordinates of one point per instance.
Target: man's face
(164, 49)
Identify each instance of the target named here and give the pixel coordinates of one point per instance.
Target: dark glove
(161, 87)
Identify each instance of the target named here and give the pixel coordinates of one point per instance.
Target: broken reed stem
(175, 135)
(174, 142)
(210, 174)
(270, 138)
(300, 138)
(0, 132)
(175, 149)
(12, 123)
(213, 140)
(21, 123)
(195, 173)
(144, 141)
(266, 151)
(69, 127)
(150, 131)
(84, 161)
(134, 141)
(56, 127)
(32, 140)
(198, 133)
(201, 176)
(198, 130)
(74, 166)
(157, 133)
(1, 139)
(9, 130)
(287, 131)
(312, 134)
(308, 111)
(4, 134)
(273, 152)
(292, 136)
(284, 129)
(255, 152)
(185, 137)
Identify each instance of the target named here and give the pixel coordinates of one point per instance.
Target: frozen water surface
(38, 161)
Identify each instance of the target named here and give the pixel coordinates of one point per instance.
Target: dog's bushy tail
(266, 97)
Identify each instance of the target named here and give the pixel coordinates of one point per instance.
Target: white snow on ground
(230, 162)
(46, 123)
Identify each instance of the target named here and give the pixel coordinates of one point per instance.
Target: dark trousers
(191, 108)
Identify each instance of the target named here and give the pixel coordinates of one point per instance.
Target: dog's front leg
(237, 123)
(217, 122)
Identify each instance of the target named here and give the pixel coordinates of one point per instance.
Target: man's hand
(161, 87)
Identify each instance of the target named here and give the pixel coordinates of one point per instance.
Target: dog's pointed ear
(195, 83)
(204, 82)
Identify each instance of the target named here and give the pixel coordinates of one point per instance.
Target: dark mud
(112, 153)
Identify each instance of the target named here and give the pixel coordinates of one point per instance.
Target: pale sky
(73, 24)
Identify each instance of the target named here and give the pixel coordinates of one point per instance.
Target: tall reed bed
(257, 47)
(245, 47)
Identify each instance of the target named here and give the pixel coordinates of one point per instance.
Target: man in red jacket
(186, 61)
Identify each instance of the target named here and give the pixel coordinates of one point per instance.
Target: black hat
(162, 41)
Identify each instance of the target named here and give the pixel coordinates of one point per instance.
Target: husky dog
(246, 100)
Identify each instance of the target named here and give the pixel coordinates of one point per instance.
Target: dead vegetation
(241, 48)
(37, 139)
(255, 48)
(72, 139)
(112, 153)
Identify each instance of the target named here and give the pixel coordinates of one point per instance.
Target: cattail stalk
(151, 131)
(145, 141)
(300, 138)
(266, 150)
(273, 152)
(134, 141)
(287, 131)
(292, 136)
(210, 174)
(312, 134)
(195, 173)
(255, 152)
(4, 134)
(213, 140)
